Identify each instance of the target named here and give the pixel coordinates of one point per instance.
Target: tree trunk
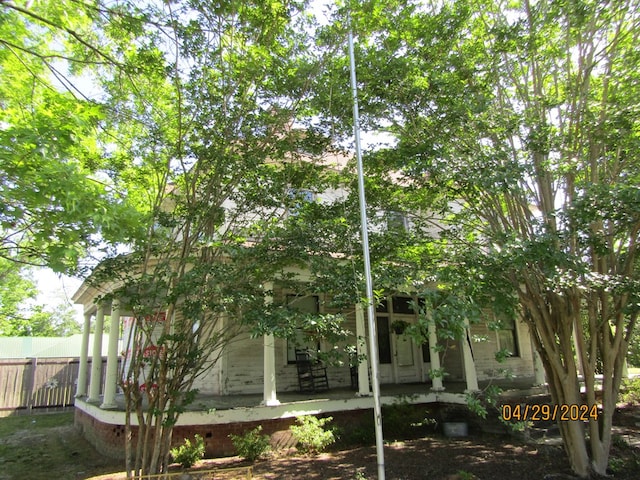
(576, 447)
(552, 323)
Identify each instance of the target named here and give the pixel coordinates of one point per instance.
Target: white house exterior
(265, 367)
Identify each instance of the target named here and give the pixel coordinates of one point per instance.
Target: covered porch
(255, 382)
(262, 365)
(331, 400)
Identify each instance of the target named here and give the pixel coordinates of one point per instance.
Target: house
(258, 380)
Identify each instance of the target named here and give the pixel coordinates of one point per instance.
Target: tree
(520, 117)
(202, 134)
(20, 315)
(14, 290)
(55, 208)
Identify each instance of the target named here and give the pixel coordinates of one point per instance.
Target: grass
(45, 446)
(34, 423)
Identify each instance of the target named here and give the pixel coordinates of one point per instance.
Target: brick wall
(110, 439)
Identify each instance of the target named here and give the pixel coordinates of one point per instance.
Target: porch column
(538, 368)
(469, 364)
(364, 389)
(576, 346)
(268, 341)
(436, 381)
(96, 358)
(269, 397)
(81, 387)
(111, 377)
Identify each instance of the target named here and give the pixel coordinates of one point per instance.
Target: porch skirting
(105, 429)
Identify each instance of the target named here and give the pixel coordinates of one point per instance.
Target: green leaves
(54, 203)
(513, 123)
(20, 315)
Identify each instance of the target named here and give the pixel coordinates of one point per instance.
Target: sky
(55, 289)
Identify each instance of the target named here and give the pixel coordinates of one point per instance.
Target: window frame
(512, 332)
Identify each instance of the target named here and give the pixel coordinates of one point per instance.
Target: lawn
(45, 447)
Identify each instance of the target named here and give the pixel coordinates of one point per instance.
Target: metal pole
(371, 311)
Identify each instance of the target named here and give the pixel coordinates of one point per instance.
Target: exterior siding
(240, 369)
(451, 359)
(484, 352)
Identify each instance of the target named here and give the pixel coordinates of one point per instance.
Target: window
(384, 339)
(306, 304)
(396, 221)
(299, 197)
(382, 306)
(403, 305)
(507, 339)
(426, 352)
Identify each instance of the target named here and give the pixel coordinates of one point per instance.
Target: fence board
(39, 383)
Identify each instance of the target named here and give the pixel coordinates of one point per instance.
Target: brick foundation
(110, 439)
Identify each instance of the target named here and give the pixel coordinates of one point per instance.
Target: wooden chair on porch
(312, 374)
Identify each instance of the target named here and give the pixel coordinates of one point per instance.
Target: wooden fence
(39, 383)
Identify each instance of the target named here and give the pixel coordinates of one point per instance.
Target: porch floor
(203, 402)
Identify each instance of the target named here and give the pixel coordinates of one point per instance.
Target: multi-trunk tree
(520, 118)
(203, 129)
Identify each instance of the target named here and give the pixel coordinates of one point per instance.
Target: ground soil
(61, 453)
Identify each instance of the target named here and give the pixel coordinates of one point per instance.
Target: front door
(398, 355)
(406, 361)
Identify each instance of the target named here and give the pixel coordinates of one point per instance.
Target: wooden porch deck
(409, 392)
(404, 391)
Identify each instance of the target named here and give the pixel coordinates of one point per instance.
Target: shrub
(360, 434)
(630, 391)
(403, 420)
(187, 454)
(251, 445)
(310, 435)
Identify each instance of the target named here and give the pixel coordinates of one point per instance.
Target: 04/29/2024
(545, 412)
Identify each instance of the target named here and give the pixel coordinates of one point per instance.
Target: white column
(111, 377)
(467, 357)
(576, 346)
(270, 397)
(538, 368)
(96, 358)
(364, 389)
(436, 381)
(268, 341)
(81, 387)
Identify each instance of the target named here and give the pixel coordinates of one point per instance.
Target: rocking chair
(312, 374)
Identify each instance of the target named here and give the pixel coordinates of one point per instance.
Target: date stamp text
(545, 412)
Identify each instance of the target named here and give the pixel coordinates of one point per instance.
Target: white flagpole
(371, 311)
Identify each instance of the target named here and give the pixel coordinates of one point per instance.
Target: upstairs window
(396, 221)
(297, 198)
